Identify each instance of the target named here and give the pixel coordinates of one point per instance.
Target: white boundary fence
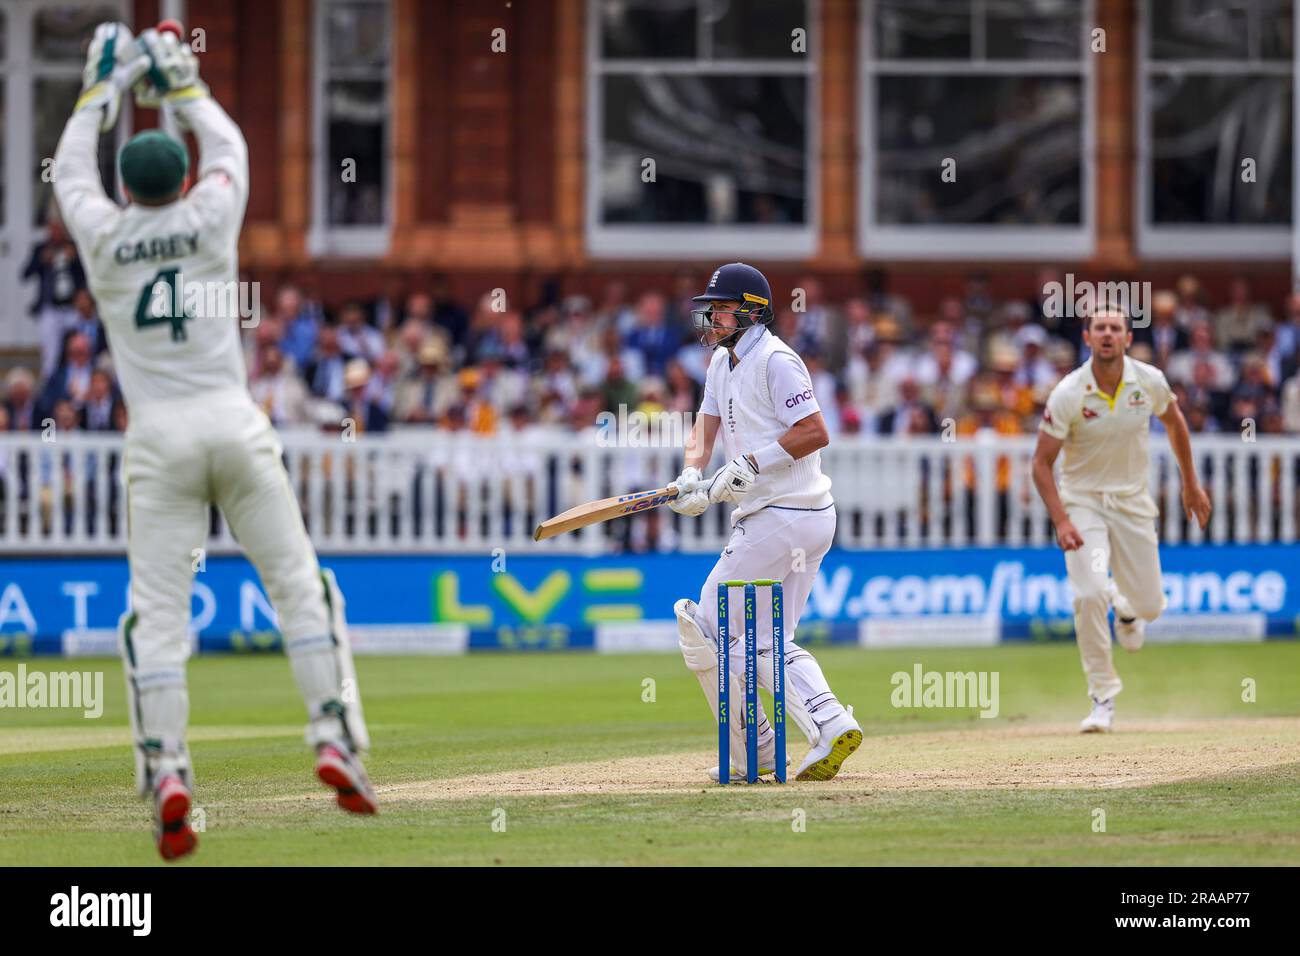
(435, 492)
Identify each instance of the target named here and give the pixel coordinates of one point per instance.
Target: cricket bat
(594, 512)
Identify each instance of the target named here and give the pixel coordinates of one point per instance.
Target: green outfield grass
(1194, 775)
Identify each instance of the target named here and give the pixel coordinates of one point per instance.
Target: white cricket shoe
(1130, 630)
(738, 775)
(1101, 718)
(836, 742)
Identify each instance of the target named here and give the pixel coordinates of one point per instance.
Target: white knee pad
(701, 655)
(322, 665)
(159, 707)
(699, 650)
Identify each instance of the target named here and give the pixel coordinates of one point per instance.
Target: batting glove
(690, 502)
(113, 63)
(732, 481)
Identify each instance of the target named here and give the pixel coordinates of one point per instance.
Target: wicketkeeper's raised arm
(83, 205)
(113, 63)
(222, 186)
(223, 155)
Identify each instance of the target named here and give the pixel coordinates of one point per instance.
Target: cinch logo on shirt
(795, 399)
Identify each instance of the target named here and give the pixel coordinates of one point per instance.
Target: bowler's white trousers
(778, 544)
(1119, 539)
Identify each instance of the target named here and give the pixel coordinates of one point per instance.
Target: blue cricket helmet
(734, 282)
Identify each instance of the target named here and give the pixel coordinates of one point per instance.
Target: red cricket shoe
(172, 803)
(343, 771)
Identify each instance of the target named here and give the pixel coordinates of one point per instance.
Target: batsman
(759, 396)
(195, 437)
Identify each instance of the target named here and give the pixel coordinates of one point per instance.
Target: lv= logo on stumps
(751, 679)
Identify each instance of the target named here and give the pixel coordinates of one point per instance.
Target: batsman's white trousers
(181, 456)
(1119, 539)
(779, 544)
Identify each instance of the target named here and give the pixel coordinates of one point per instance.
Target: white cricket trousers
(1119, 539)
(181, 457)
(778, 544)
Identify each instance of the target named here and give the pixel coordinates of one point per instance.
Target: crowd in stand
(879, 366)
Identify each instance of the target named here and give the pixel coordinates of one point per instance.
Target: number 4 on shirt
(158, 299)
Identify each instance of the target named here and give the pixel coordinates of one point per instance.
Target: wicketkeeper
(195, 436)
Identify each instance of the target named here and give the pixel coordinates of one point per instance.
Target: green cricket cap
(153, 165)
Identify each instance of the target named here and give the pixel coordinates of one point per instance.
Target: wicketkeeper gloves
(113, 64)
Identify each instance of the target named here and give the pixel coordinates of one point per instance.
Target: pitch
(585, 759)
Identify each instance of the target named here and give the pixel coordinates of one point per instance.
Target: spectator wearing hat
(1033, 370)
(365, 414)
(1236, 324)
(426, 391)
(479, 413)
(411, 335)
(1016, 397)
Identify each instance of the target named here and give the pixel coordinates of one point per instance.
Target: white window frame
(21, 69)
(325, 239)
(670, 241)
(973, 242)
(1195, 241)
